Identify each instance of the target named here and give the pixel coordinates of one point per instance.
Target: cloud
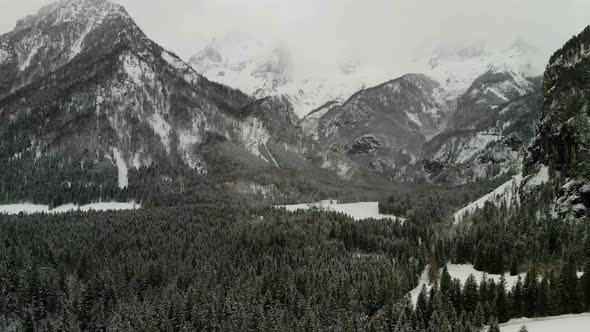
(323, 32)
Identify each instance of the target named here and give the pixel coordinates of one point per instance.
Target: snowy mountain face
(469, 118)
(497, 99)
(265, 68)
(84, 92)
(258, 68)
(384, 127)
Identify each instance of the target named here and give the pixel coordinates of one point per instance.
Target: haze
(383, 33)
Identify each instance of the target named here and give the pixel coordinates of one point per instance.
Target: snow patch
(570, 323)
(12, 209)
(462, 272)
(538, 179)
(357, 211)
(174, 61)
(29, 56)
(77, 47)
(161, 128)
(414, 118)
(122, 168)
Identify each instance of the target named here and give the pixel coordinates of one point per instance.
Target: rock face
(399, 115)
(562, 141)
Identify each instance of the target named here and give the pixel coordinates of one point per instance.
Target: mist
(379, 33)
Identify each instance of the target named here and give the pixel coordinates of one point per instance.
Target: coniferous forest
(230, 268)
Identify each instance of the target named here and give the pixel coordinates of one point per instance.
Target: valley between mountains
(140, 191)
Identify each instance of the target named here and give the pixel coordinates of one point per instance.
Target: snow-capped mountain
(256, 66)
(265, 68)
(468, 117)
(456, 67)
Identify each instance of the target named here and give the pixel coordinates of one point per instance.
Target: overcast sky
(380, 32)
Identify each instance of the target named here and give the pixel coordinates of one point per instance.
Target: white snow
(461, 272)
(538, 179)
(26, 208)
(174, 61)
(506, 193)
(122, 169)
(424, 281)
(29, 56)
(414, 118)
(358, 211)
(569, 323)
(77, 47)
(456, 70)
(162, 128)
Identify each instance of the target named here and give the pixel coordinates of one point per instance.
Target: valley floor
(358, 211)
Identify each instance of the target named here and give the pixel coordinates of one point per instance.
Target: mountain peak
(71, 11)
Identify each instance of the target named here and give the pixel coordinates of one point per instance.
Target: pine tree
(494, 327)
(470, 294)
(514, 266)
(523, 329)
(530, 293)
(445, 281)
(568, 280)
(501, 301)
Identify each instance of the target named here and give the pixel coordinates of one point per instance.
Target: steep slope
(91, 109)
(487, 138)
(562, 142)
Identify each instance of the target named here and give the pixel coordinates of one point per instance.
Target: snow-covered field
(462, 272)
(358, 211)
(33, 208)
(569, 323)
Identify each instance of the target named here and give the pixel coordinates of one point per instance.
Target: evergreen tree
(494, 327)
(470, 294)
(568, 281)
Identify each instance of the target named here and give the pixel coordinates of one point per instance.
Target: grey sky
(380, 32)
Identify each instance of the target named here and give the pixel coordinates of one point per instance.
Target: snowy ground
(122, 169)
(569, 323)
(32, 208)
(357, 211)
(462, 272)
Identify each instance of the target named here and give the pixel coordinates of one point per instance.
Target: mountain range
(92, 109)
